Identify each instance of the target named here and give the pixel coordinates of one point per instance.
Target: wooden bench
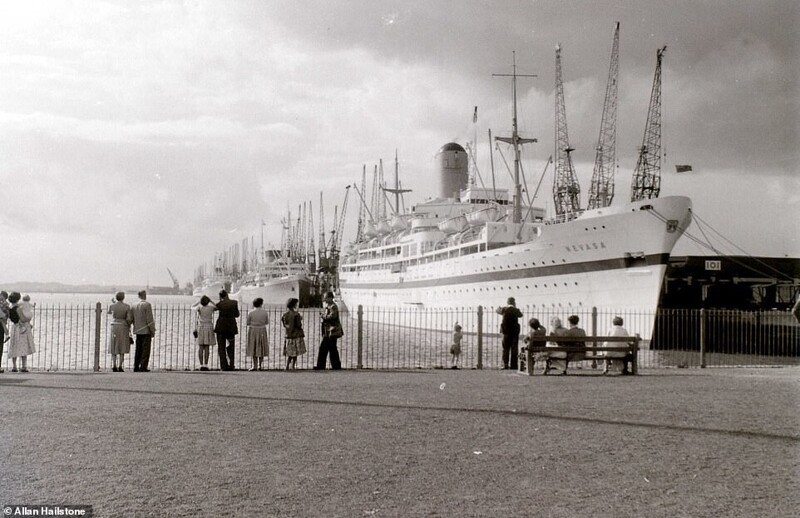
(628, 345)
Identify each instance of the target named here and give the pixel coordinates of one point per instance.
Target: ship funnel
(452, 177)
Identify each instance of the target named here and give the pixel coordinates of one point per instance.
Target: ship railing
(563, 218)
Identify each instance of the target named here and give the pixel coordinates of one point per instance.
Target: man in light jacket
(144, 327)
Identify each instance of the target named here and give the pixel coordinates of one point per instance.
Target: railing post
(594, 333)
(529, 357)
(359, 361)
(703, 323)
(97, 315)
(480, 337)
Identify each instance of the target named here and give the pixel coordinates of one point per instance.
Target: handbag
(336, 332)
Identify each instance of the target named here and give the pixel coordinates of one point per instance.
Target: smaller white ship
(275, 280)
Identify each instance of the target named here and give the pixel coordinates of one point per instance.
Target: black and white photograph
(399, 258)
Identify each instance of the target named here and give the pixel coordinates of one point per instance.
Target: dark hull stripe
(519, 273)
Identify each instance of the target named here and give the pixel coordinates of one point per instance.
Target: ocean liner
(275, 280)
(472, 245)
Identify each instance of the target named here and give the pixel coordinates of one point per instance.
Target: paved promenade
(714, 442)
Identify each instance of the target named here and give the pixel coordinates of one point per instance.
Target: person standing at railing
(144, 327)
(226, 330)
(331, 332)
(295, 343)
(204, 329)
(616, 358)
(119, 341)
(21, 342)
(257, 337)
(509, 328)
(4, 309)
(455, 347)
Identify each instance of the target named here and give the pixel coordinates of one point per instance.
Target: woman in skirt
(21, 332)
(204, 329)
(257, 338)
(119, 340)
(295, 344)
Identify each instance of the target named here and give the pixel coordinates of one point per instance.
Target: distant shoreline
(56, 287)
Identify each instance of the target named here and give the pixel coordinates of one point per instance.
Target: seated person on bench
(616, 358)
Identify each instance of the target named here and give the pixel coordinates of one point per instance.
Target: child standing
(455, 349)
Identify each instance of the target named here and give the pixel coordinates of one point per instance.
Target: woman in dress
(257, 338)
(295, 344)
(21, 342)
(119, 340)
(204, 329)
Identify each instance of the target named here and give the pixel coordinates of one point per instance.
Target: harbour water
(68, 327)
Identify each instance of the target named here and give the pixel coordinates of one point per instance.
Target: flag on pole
(683, 168)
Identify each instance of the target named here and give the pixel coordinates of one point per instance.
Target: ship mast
(397, 191)
(515, 140)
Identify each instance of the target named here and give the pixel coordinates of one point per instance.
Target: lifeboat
(453, 225)
(482, 216)
(370, 230)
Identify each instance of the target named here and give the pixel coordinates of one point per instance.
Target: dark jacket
(293, 324)
(228, 313)
(510, 324)
(332, 326)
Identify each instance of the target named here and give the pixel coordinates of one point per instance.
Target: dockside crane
(322, 251)
(646, 182)
(601, 191)
(361, 208)
(175, 284)
(335, 245)
(566, 190)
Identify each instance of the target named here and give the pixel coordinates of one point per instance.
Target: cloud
(150, 130)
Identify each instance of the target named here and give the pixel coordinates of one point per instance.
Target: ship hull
(612, 258)
(277, 291)
(210, 290)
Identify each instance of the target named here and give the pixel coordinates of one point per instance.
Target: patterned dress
(295, 344)
(205, 324)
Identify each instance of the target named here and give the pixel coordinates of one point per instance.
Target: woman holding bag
(331, 332)
(295, 344)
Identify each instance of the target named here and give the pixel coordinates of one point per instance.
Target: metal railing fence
(74, 337)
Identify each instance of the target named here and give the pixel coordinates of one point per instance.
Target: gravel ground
(404, 443)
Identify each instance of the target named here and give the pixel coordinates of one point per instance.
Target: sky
(141, 136)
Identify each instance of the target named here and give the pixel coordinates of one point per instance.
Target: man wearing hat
(509, 328)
